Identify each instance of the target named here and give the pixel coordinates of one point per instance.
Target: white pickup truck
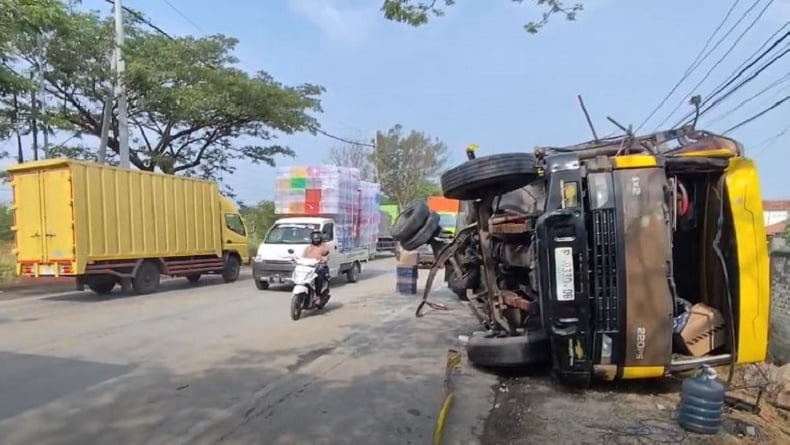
(287, 237)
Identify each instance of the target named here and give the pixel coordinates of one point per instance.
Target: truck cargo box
(69, 214)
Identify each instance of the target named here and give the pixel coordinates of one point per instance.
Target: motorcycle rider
(317, 250)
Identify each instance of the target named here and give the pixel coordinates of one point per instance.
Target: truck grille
(604, 271)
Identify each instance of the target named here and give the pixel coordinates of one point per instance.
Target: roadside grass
(7, 263)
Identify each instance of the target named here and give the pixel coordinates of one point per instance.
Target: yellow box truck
(107, 226)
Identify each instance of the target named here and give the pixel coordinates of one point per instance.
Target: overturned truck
(622, 258)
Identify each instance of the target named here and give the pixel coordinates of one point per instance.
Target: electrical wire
(721, 59)
(735, 72)
(758, 115)
(742, 83)
(142, 19)
(694, 64)
(184, 16)
(775, 83)
(767, 143)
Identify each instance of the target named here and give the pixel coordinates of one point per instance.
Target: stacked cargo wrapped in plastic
(369, 216)
(325, 190)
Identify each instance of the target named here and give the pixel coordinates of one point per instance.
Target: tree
(418, 12)
(190, 110)
(405, 163)
(354, 155)
(259, 217)
(21, 19)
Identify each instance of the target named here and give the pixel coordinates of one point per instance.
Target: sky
(475, 75)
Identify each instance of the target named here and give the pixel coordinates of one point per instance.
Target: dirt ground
(533, 409)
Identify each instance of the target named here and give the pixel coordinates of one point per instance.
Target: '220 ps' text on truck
(106, 226)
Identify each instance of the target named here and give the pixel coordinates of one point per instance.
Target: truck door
(330, 240)
(58, 215)
(28, 216)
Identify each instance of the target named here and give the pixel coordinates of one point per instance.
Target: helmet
(316, 237)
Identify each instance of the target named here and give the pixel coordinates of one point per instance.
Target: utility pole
(107, 116)
(120, 90)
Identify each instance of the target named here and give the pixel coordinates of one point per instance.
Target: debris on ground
(534, 409)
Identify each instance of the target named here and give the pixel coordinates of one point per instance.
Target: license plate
(563, 263)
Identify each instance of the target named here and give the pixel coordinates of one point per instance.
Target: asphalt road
(223, 363)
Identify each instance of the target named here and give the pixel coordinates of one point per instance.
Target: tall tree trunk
(20, 153)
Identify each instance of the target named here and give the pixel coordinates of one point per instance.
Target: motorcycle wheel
(323, 302)
(296, 306)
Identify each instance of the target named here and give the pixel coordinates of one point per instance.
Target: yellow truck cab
(623, 258)
(105, 226)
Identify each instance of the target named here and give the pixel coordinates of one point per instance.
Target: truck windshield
(290, 234)
(447, 220)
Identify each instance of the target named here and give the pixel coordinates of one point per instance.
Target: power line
(344, 140)
(740, 73)
(767, 143)
(722, 58)
(773, 84)
(143, 20)
(691, 67)
(770, 38)
(183, 16)
(758, 115)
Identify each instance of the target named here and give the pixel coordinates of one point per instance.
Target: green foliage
(259, 217)
(191, 111)
(28, 19)
(6, 221)
(418, 12)
(405, 163)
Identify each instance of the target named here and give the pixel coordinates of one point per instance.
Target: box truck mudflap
(107, 226)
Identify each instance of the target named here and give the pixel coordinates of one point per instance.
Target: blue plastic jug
(701, 403)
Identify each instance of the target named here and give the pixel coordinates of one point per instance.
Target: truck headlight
(258, 258)
(600, 186)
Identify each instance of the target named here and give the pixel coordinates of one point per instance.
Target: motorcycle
(304, 292)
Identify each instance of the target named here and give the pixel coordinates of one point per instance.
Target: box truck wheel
(101, 284)
(230, 272)
(146, 279)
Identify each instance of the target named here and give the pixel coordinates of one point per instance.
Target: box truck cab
(106, 226)
(289, 237)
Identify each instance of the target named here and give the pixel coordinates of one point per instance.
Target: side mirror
(291, 251)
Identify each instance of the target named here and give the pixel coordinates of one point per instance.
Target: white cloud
(346, 24)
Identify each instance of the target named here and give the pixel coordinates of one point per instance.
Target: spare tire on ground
(429, 229)
(494, 174)
(410, 221)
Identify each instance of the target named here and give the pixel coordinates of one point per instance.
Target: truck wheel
(193, 277)
(260, 284)
(424, 235)
(146, 280)
(352, 274)
(497, 173)
(410, 220)
(531, 349)
(102, 285)
(230, 272)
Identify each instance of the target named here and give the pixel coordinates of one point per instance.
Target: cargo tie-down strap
(445, 255)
